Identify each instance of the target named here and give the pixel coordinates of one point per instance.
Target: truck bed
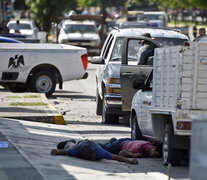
(179, 77)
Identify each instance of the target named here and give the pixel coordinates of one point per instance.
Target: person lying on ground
(90, 150)
(128, 147)
(125, 147)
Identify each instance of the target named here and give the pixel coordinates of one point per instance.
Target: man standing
(201, 33)
(145, 51)
(16, 27)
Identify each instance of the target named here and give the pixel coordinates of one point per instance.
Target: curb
(48, 114)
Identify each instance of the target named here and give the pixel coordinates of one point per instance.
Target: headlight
(114, 80)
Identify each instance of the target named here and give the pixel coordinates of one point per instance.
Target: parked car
(109, 98)
(39, 67)
(80, 33)
(27, 28)
(174, 91)
(8, 40)
(154, 18)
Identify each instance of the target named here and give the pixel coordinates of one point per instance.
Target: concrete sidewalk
(14, 165)
(28, 106)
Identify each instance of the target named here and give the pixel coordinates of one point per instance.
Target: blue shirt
(100, 152)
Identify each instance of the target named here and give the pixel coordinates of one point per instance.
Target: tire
(99, 104)
(17, 88)
(170, 154)
(43, 82)
(106, 117)
(135, 131)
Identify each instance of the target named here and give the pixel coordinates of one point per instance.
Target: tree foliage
(46, 11)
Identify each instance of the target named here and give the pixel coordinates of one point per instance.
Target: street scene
(103, 89)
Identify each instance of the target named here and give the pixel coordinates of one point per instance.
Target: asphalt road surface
(77, 102)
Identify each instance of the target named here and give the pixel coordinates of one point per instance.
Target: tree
(46, 11)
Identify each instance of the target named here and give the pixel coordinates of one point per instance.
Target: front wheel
(106, 117)
(170, 154)
(43, 82)
(99, 104)
(135, 131)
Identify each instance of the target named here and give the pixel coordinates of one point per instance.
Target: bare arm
(123, 159)
(58, 152)
(127, 153)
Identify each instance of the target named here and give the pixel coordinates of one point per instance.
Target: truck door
(130, 71)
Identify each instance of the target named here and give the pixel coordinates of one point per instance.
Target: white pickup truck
(39, 67)
(175, 90)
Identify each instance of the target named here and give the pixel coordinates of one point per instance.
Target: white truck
(39, 67)
(175, 90)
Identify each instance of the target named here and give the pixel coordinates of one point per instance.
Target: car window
(108, 48)
(74, 28)
(145, 17)
(21, 26)
(170, 41)
(133, 48)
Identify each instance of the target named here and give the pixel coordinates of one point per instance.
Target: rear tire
(170, 154)
(43, 82)
(135, 131)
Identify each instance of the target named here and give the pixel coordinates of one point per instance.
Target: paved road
(77, 102)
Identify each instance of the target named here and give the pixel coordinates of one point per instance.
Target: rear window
(170, 41)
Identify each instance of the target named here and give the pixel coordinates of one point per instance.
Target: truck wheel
(99, 104)
(135, 131)
(108, 118)
(43, 82)
(170, 154)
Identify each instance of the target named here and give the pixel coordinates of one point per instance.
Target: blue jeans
(114, 146)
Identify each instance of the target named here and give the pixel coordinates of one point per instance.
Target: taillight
(85, 60)
(181, 125)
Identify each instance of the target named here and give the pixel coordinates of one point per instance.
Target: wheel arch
(47, 67)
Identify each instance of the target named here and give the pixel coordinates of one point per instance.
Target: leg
(127, 153)
(58, 152)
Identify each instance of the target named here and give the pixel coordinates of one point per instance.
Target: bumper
(114, 105)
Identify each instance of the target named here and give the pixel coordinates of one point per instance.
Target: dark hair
(86, 152)
(61, 145)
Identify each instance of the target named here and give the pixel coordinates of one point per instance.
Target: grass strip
(31, 96)
(13, 96)
(28, 104)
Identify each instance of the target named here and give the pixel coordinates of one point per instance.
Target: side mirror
(97, 60)
(138, 83)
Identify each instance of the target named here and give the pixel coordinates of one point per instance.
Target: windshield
(147, 17)
(21, 26)
(80, 28)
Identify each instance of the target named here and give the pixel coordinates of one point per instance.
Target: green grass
(13, 97)
(28, 104)
(173, 23)
(31, 96)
